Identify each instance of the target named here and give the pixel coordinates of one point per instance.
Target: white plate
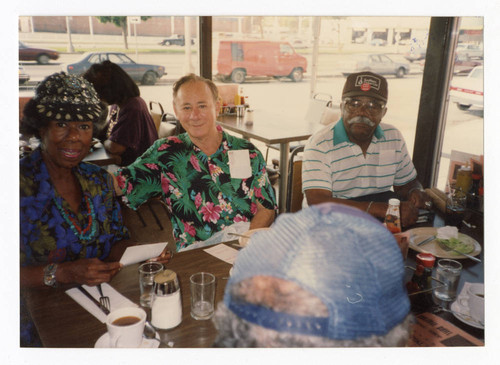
(243, 241)
(103, 342)
(462, 314)
(419, 234)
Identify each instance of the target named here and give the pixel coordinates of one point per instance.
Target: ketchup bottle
(392, 217)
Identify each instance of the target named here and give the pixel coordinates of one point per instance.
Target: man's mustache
(361, 119)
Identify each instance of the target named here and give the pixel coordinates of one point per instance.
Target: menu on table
(433, 331)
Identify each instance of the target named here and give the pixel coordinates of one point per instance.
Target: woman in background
(131, 129)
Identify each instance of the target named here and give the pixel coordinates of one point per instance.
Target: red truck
(238, 60)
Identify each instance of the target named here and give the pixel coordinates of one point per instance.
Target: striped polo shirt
(332, 162)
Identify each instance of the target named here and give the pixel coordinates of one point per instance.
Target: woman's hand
(164, 257)
(87, 271)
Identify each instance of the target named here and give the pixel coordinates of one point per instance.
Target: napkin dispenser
(166, 307)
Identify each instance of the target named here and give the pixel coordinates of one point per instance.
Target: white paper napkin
(223, 252)
(135, 254)
(447, 232)
(116, 299)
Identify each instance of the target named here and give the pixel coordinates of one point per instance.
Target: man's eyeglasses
(371, 106)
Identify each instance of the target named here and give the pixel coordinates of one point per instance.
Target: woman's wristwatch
(49, 275)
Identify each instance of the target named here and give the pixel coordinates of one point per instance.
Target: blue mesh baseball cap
(341, 255)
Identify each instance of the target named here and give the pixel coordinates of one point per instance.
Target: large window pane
(394, 46)
(168, 41)
(463, 135)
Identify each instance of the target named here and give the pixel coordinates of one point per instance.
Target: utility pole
(71, 49)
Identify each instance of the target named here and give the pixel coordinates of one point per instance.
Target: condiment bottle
(392, 217)
(166, 308)
(464, 178)
(242, 97)
(473, 196)
(237, 99)
(420, 285)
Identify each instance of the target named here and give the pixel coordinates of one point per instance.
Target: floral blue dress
(46, 233)
(199, 191)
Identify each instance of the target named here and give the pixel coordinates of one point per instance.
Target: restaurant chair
(149, 223)
(166, 124)
(294, 195)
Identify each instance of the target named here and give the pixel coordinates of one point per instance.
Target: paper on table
(116, 299)
(223, 253)
(135, 254)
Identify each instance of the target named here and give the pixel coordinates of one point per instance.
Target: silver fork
(103, 300)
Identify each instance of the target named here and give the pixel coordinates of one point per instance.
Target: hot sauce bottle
(392, 217)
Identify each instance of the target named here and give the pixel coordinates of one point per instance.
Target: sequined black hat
(67, 98)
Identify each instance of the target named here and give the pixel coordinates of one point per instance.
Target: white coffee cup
(475, 301)
(123, 329)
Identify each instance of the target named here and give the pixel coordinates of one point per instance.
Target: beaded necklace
(86, 234)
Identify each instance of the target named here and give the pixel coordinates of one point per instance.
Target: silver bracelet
(369, 205)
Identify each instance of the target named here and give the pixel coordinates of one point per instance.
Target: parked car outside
(146, 74)
(378, 42)
(238, 60)
(378, 63)
(23, 76)
(174, 39)
(462, 66)
(40, 55)
(467, 91)
(470, 50)
(416, 54)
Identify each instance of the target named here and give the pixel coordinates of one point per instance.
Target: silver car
(377, 63)
(144, 73)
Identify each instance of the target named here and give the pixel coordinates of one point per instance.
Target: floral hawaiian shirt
(45, 217)
(199, 191)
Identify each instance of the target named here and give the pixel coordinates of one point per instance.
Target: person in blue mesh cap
(327, 276)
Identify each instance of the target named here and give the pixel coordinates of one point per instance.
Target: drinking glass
(147, 272)
(202, 295)
(448, 272)
(455, 210)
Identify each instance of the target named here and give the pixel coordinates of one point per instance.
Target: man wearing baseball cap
(327, 276)
(360, 161)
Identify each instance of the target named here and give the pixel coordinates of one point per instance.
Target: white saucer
(103, 342)
(462, 314)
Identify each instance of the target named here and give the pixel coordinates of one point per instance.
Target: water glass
(147, 272)
(448, 272)
(202, 286)
(455, 210)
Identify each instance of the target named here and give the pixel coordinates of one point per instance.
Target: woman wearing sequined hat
(70, 220)
(71, 226)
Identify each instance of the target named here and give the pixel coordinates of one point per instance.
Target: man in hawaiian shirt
(208, 178)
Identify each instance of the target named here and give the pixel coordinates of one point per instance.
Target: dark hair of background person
(194, 78)
(111, 82)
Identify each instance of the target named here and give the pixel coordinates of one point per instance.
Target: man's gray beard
(361, 119)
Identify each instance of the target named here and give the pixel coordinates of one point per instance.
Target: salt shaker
(249, 117)
(166, 308)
